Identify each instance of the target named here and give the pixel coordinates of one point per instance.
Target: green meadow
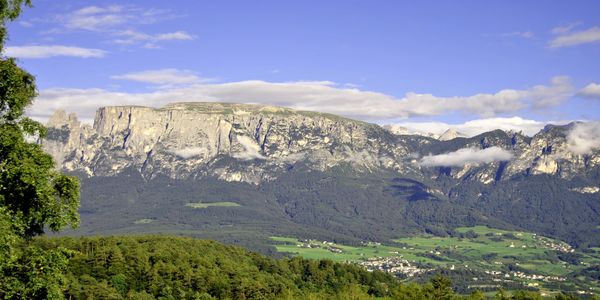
(476, 248)
(211, 204)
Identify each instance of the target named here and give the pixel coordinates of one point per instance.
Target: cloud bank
(466, 156)
(475, 127)
(584, 138)
(52, 51)
(322, 96)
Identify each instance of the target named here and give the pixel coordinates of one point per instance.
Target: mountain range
(241, 173)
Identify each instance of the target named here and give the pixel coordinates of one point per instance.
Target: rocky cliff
(187, 139)
(184, 140)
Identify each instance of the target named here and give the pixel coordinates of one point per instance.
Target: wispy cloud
(466, 156)
(520, 34)
(52, 51)
(130, 37)
(566, 37)
(591, 91)
(190, 152)
(564, 28)
(106, 18)
(26, 24)
(250, 149)
(584, 138)
(162, 77)
(120, 24)
(96, 18)
(322, 96)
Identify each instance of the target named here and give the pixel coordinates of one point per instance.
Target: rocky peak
(60, 118)
(450, 134)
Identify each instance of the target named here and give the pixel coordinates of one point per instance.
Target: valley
(474, 257)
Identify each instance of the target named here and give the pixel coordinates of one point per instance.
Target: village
(329, 246)
(552, 245)
(393, 264)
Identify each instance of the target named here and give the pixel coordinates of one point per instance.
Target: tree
(33, 195)
(440, 287)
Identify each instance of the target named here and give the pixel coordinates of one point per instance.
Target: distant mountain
(450, 134)
(401, 130)
(316, 175)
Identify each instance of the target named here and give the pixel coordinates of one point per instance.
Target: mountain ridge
(331, 176)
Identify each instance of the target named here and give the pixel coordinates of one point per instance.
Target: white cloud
(95, 18)
(161, 77)
(251, 150)
(478, 126)
(591, 91)
(52, 51)
(130, 37)
(584, 138)
(322, 96)
(488, 105)
(174, 36)
(189, 152)
(466, 156)
(566, 38)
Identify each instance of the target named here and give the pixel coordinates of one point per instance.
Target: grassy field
(488, 247)
(476, 248)
(211, 204)
(349, 253)
(143, 221)
(492, 248)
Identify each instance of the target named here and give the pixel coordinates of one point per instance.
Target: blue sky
(438, 62)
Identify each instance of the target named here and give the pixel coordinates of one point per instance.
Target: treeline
(162, 267)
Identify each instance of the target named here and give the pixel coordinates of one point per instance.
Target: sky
(426, 65)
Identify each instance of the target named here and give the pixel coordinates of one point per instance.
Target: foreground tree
(33, 195)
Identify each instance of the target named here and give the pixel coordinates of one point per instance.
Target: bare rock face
(65, 135)
(186, 139)
(548, 153)
(251, 143)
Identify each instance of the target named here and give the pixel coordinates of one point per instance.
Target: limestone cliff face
(65, 135)
(187, 139)
(252, 143)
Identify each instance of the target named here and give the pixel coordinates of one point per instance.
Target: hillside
(149, 267)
